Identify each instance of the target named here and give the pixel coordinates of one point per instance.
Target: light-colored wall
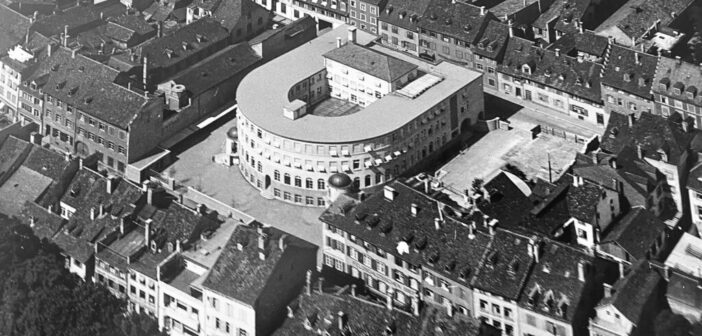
(238, 315)
(490, 316)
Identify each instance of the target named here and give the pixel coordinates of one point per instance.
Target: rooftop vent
(420, 243)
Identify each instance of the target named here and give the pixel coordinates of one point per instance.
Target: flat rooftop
(264, 92)
(24, 185)
(208, 251)
(687, 255)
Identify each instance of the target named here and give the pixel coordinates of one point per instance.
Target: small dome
(233, 133)
(340, 180)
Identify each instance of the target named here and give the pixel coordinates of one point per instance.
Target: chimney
(427, 186)
(73, 53)
(388, 298)
(607, 290)
(150, 195)
(320, 284)
(159, 29)
(340, 319)
(471, 231)
(145, 72)
(65, 35)
(201, 209)
(678, 60)
(593, 155)
(575, 181)
(449, 309)
(482, 10)
(101, 210)
(92, 213)
(621, 270)
(558, 52)
(110, 184)
(290, 312)
(80, 163)
(35, 138)
(338, 42)
(147, 231)
(685, 126)
(352, 34)
(613, 163)
(389, 193)
(353, 290)
(102, 15)
(308, 281)
(580, 27)
(281, 242)
(491, 226)
(581, 182)
(48, 50)
(178, 247)
(32, 223)
(50, 208)
(533, 246)
(581, 271)
(631, 119)
(637, 58)
(437, 224)
(510, 25)
(639, 151)
(414, 209)
(615, 184)
(415, 305)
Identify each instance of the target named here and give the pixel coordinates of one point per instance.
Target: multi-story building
(675, 90)
(569, 16)
(327, 13)
(489, 51)
(25, 60)
(406, 247)
(584, 45)
(694, 194)
(127, 31)
(683, 273)
(448, 30)
(293, 140)
(558, 81)
(630, 306)
(626, 81)
(242, 18)
(662, 143)
(343, 312)
(638, 235)
(364, 14)
(559, 294)
(398, 24)
(260, 270)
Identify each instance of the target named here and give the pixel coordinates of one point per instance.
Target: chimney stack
(352, 34)
(631, 119)
(621, 270)
(110, 184)
(639, 151)
(320, 285)
(145, 72)
(437, 224)
(678, 60)
(48, 50)
(637, 57)
(414, 209)
(491, 226)
(581, 271)
(593, 155)
(471, 231)
(415, 305)
(482, 10)
(340, 319)
(427, 186)
(686, 126)
(147, 231)
(291, 314)
(31, 221)
(353, 290)
(308, 281)
(510, 26)
(580, 27)
(338, 42)
(92, 213)
(281, 242)
(389, 193)
(65, 35)
(607, 290)
(534, 248)
(558, 52)
(449, 309)
(101, 210)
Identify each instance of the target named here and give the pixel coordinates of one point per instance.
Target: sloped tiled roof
(586, 42)
(493, 41)
(686, 77)
(555, 277)
(78, 18)
(505, 267)
(632, 292)
(370, 61)
(228, 12)
(635, 17)
(556, 70)
(651, 132)
(403, 13)
(89, 86)
(123, 27)
(636, 232)
(46, 224)
(456, 19)
(622, 71)
(13, 27)
(384, 224)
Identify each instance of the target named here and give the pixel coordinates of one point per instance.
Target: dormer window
(492, 259)
(663, 155)
(449, 267)
(465, 272)
(663, 84)
(534, 295)
(562, 308)
(690, 92)
(642, 81)
(578, 81)
(678, 87)
(549, 302)
(526, 69)
(513, 267)
(627, 77)
(433, 257)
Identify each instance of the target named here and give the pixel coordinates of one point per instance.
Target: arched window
(367, 180)
(276, 175)
(320, 184)
(298, 181)
(286, 178)
(309, 184)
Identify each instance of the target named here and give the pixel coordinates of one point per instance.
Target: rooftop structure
(13, 27)
(405, 14)
(678, 80)
(78, 18)
(371, 62)
(461, 21)
(505, 267)
(637, 233)
(686, 256)
(630, 70)
(492, 41)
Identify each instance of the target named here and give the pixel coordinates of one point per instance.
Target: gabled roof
(459, 20)
(363, 317)
(622, 71)
(493, 41)
(78, 18)
(651, 132)
(13, 27)
(388, 225)
(46, 223)
(636, 17)
(683, 76)
(567, 12)
(586, 42)
(556, 70)
(505, 267)
(632, 292)
(554, 288)
(89, 86)
(403, 13)
(124, 27)
(242, 275)
(636, 232)
(371, 62)
(210, 72)
(228, 12)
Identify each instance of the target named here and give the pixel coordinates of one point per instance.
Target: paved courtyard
(194, 167)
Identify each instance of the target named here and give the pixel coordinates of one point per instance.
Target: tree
(477, 186)
(669, 324)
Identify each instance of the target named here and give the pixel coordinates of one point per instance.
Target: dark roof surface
(678, 74)
(403, 13)
(219, 67)
(242, 275)
(506, 265)
(370, 61)
(632, 292)
(123, 27)
(694, 179)
(388, 224)
(77, 17)
(636, 232)
(635, 17)
(456, 19)
(13, 27)
(554, 287)
(586, 42)
(228, 12)
(46, 162)
(651, 132)
(493, 41)
(623, 73)
(10, 151)
(46, 224)
(556, 70)
(89, 86)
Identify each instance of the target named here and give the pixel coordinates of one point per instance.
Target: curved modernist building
(336, 105)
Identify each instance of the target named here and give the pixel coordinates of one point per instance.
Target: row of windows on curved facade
(288, 196)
